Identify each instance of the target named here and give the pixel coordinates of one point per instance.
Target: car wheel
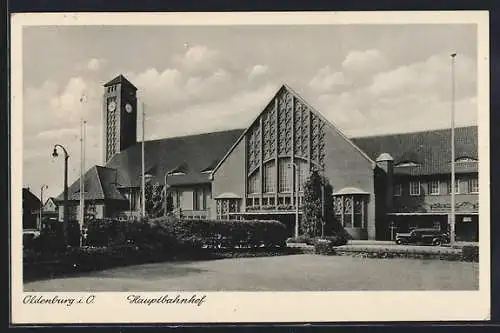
(399, 241)
(436, 242)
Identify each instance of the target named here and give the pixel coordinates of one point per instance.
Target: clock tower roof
(120, 79)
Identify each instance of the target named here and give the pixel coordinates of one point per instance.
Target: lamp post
(452, 217)
(65, 207)
(295, 169)
(43, 187)
(165, 195)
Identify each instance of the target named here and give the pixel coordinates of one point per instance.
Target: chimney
(386, 163)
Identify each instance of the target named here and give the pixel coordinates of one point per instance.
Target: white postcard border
(259, 306)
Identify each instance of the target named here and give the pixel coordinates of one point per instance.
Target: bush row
(467, 253)
(336, 240)
(168, 233)
(173, 232)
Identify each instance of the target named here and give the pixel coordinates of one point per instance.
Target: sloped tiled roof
(120, 79)
(429, 150)
(191, 154)
(30, 201)
(99, 182)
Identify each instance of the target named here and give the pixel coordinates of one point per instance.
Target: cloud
(257, 71)
(431, 76)
(95, 64)
(412, 97)
(198, 58)
(327, 79)
(58, 134)
(240, 107)
(365, 62)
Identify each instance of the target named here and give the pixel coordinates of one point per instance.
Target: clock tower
(119, 117)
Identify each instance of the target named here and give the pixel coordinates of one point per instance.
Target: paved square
(284, 273)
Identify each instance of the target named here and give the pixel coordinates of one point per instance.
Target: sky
(366, 79)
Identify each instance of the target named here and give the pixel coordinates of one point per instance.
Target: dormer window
(407, 164)
(211, 167)
(465, 159)
(180, 170)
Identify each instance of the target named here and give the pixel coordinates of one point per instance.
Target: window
(351, 210)
(284, 175)
(434, 187)
(398, 190)
(253, 183)
(474, 185)
(269, 177)
(415, 188)
(302, 174)
(226, 206)
(198, 199)
(457, 186)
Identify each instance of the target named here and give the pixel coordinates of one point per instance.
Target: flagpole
(83, 172)
(143, 187)
(452, 217)
(81, 175)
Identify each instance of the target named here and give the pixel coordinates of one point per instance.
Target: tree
(318, 218)
(154, 200)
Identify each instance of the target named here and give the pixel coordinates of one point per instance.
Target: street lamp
(452, 217)
(41, 205)
(65, 207)
(165, 196)
(295, 169)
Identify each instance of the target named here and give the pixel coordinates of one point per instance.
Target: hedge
(170, 232)
(226, 234)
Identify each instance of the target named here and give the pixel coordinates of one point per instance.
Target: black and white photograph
(233, 166)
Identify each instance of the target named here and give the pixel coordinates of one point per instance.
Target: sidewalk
(375, 242)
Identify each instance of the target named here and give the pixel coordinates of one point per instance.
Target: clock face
(112, 106)
(128, 108)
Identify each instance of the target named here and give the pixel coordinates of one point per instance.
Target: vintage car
(423, 237)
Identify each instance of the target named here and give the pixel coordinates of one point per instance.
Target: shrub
(470, 253)
(227, 234)
(337, 240)
(301, 239)
(326, 245)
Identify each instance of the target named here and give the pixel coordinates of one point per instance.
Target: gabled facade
(381, 184)
(261, 174)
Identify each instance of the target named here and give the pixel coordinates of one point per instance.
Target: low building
(382, 184)
(31, 209)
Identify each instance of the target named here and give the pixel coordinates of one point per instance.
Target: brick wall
(345, 166)
(230, 177)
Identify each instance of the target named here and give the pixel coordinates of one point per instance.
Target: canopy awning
(228, 195)
(350, 191)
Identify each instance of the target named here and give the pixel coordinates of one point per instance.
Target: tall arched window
(254, 183)
(285, 175)
(270, 177)
(351, 207)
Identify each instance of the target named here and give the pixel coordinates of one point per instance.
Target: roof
(99, 183)
(30, 200)
(187, 159)
(426, 152)
(120, 79)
